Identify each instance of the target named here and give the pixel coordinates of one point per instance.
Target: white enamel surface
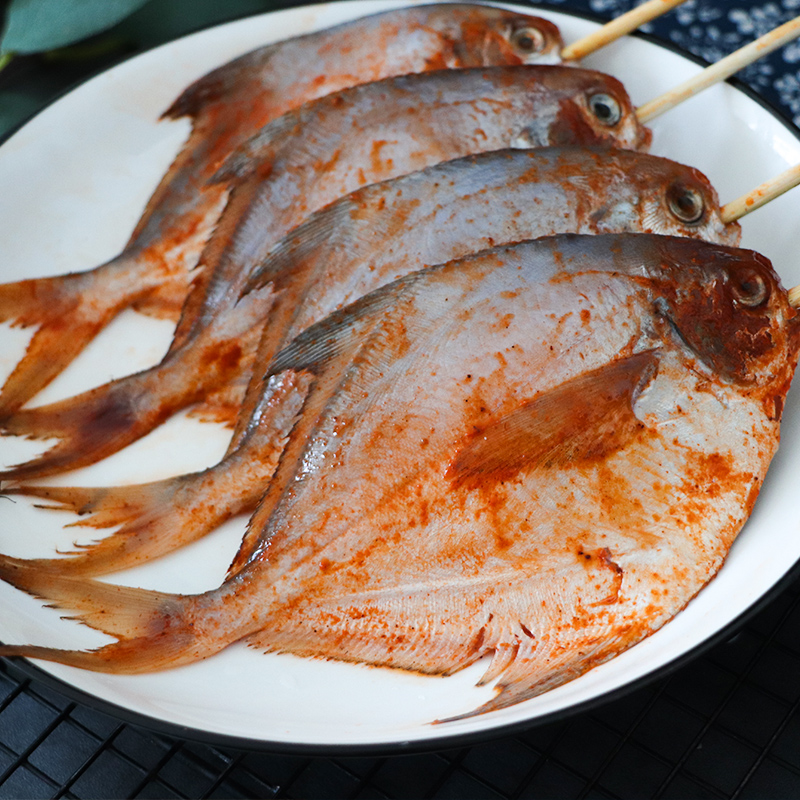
(75, 181)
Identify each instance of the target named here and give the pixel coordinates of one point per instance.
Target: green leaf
(33, 26)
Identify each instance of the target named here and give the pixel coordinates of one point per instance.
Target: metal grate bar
(720, 708)
(153, 771)
(774, 738)
(103, 746)
(23, 756)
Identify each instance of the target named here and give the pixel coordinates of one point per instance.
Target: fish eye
(527, 40)
(685, 203)
(605, 108)
(749, 289)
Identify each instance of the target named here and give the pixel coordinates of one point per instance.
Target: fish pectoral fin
(584, 419)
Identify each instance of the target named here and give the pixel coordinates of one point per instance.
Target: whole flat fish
(299, 163)
(539, 454)
(351, 247)
(226, 107)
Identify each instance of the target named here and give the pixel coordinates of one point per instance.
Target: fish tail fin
(68, 312)
(221, 406)
(156, 518)
(97, 423)
(154, 630)
(118, 657)
(91, 426)
(264, 446)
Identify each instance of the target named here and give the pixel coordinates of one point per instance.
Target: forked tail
(156, 518)
(97, 423)
(68, 312)
(90, 426)
(154, 630)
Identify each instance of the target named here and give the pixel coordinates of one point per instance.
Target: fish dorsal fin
(256, 152)
(280, 264)
(326, 350)
(586, 418)
(320, 348)
(290, 270)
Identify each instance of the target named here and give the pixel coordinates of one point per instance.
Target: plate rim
(22, 667)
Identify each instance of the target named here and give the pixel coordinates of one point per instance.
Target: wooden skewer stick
(721, 70)
(758, 197)
(611, 31)
(761, 195)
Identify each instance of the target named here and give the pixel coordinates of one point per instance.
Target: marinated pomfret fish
(296, 165)
(373, 132)
(226, 107)
(540, 454)
(353, 246)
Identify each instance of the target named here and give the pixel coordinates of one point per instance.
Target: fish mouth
(793, 333)
(644, 139)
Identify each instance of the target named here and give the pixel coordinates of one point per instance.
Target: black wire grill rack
(724, 725)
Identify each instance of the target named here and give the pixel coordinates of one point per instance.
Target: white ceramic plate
(76, 179)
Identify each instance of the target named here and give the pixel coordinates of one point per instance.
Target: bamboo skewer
(721, 70)
(618, 27)
(761, 195)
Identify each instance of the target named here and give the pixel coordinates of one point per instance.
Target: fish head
(669, 199)
(596, 110)
(728, 308)
(513, 38)
(483, 36)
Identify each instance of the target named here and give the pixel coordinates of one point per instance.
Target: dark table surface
(724, 725)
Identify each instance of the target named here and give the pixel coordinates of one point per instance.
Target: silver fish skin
(386, 230)
(226, 107)
(374, 132)
(576, 429)
(233, 102)
(307, 159)
(352, 247)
